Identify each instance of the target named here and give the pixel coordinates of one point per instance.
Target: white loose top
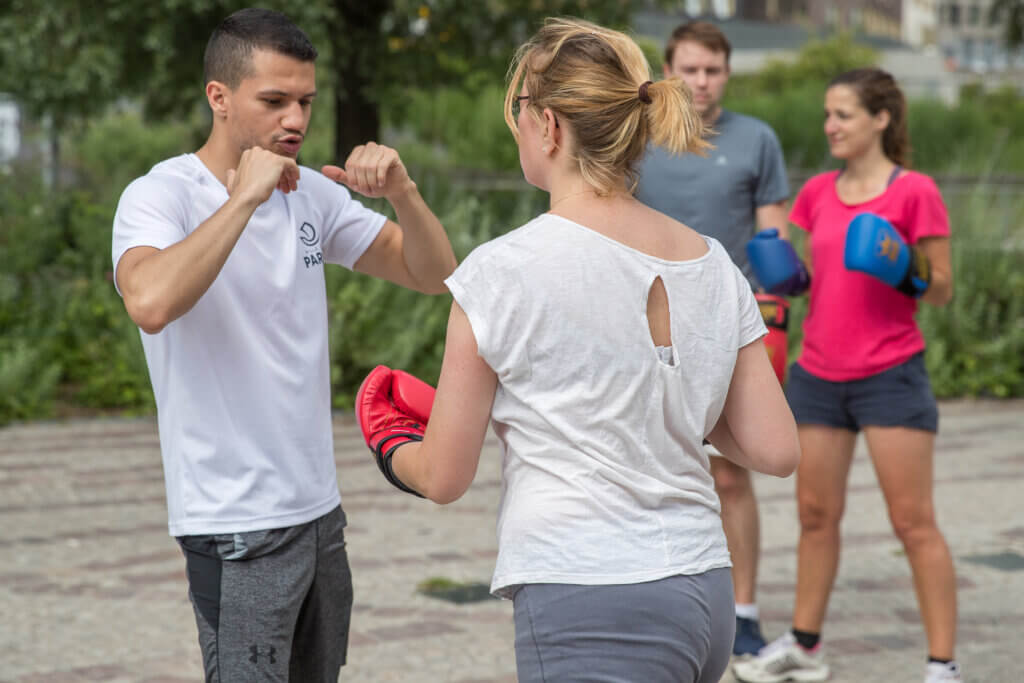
(604, 476)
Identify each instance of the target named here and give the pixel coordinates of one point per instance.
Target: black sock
(938, 660)
(807, 640)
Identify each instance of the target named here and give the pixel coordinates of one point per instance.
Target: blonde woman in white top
(604, 341)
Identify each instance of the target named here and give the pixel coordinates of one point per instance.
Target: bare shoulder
(668, 238)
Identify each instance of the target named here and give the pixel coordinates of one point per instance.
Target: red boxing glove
(392, 408)
(775, 311)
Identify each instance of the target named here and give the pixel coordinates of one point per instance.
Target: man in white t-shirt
(219, 257)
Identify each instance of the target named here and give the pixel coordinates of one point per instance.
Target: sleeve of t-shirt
(150, 213)
(752, 325)
(349, 227)
(772, 183)
(926, 214)
(806, 198)
(480, 286)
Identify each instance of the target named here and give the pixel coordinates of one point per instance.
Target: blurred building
(971, 37)
(920, 22)
(932, 47)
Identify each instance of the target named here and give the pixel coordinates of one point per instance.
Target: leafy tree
(1013, 12)
(59, 64)
(68, 61)
(817, 62)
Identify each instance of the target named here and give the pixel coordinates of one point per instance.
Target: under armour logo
(256, 654)
(889, 247)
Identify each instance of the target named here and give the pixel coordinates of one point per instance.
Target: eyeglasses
(517, 106)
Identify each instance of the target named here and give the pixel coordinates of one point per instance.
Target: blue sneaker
(749, 640)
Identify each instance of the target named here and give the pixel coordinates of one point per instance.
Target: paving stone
(98, 593)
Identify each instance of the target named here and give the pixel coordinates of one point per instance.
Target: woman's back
(602, 430)
(637, 226)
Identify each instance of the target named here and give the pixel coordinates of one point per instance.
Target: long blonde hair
(591, 77)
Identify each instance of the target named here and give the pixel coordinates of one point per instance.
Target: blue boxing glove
(776, 265)
(873, 246)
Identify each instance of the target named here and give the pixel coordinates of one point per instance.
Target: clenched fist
(259, 172)
(372, 170)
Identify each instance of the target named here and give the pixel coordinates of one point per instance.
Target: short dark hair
(228, 55)
(703, 32)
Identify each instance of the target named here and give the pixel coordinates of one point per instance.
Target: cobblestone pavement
(93, 589)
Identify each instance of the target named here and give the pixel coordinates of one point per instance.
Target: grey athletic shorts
(676, 630)
(898, 397)
(272, 605)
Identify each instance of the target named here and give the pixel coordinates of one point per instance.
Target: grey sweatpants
(272, 606)
(676, 630)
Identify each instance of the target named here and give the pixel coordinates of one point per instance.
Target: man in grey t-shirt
(738, 188)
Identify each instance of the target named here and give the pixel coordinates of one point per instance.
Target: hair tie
(644, 95)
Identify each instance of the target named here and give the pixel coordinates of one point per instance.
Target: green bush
(448, 127)
(795, 116)
(976, 343)
(114, 150)
(818, 62)
(65, 338)
(28, 381)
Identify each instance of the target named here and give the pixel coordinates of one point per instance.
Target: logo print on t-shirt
(307, 235)
(721, 160)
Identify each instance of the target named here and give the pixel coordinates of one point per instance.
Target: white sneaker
(782, 660)
(942, 673)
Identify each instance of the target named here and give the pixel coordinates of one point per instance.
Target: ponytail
(598, 80)
(673, 121)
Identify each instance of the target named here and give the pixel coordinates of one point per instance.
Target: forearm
(940, 267)
(940, 289)
(411, 468)
(773, 216)
(756, 429)
(426, 249)
(164, 285)
(777, 462)
(721, 437)
(419, 467)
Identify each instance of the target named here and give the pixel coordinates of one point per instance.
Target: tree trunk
(357, 45)
(55, 160)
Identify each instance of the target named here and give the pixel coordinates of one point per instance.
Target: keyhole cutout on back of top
(658, 318)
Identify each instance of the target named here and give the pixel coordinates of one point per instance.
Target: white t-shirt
(604, 477)
(242, 381)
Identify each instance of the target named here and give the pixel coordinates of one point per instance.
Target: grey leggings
(676, 630)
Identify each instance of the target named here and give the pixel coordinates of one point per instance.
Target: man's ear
(219, 96)
(666, 71)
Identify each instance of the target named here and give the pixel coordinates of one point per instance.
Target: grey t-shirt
(717, 195)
